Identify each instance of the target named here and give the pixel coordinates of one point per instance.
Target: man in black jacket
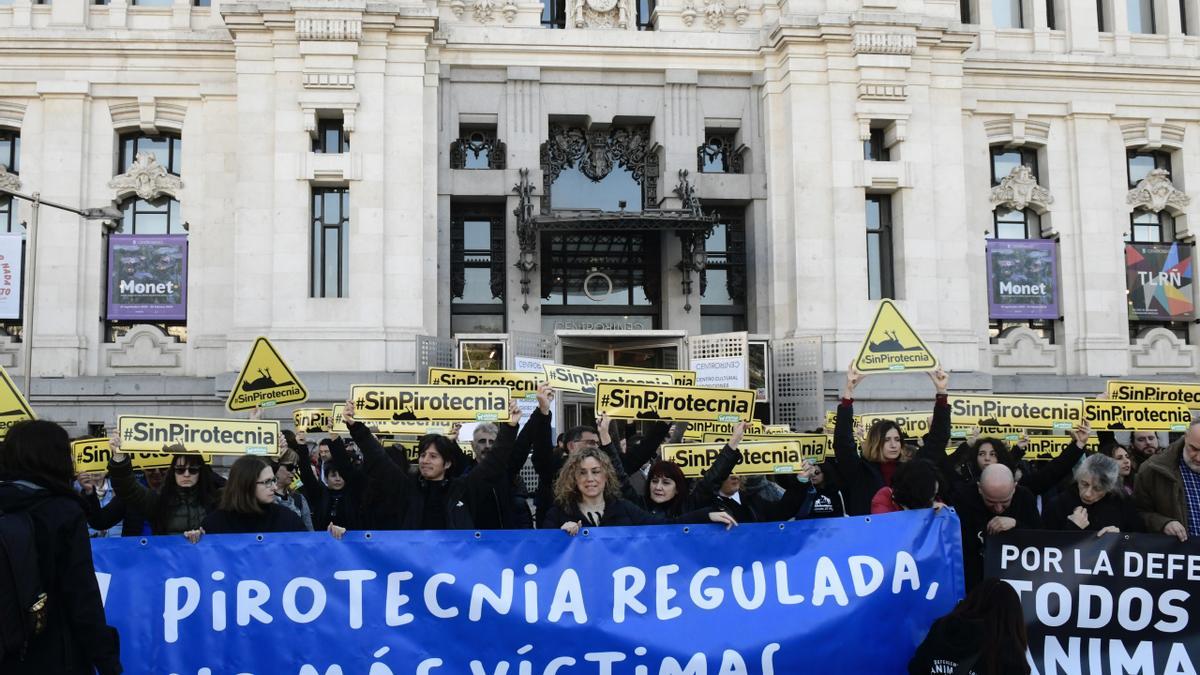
(996, 505)
(505, 505)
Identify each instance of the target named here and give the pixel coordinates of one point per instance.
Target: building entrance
(587, 349)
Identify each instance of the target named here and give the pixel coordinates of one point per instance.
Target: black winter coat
(974, 516)
(327, 506)
(1114, 509)
(77, 639)
(861, 478)
(274, 518)
(953, 641)
(413, 503)
(503, 506)
(619, 512)
(797, 498)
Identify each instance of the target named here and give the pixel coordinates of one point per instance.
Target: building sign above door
(597, 322)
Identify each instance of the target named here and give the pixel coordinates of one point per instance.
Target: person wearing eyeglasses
(285, 474)
(248, 504)
(188, 495)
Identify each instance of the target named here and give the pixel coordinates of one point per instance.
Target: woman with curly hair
(588, 492)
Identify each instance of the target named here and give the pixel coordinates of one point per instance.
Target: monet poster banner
(1022, 279)
(147, 277)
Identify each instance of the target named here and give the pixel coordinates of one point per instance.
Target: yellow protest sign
(758, 458)
(1005, 433)
(830, 419)
(1136, 416)
(1049, 447)
(92, 454)
(429, 403)
(571, 378)
(265, 381)
(913, 424)
(1020, 412)
(584, 380)
(385, 427)
(13, 406)
(139, 433)
(778, 429)
(681, 404)
(1187, 393)
(891, 345)
(522, 384)
(697, 430)
(312, 420)
(813, 445)
(682, 378)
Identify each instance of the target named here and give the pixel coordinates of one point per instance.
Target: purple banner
(147, 277)
(1022, 279)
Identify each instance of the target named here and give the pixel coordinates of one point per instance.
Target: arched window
(1018, 224)
(163, 260)
(161, 215)
(1151, 233)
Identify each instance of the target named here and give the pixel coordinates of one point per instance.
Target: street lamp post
(111, 213)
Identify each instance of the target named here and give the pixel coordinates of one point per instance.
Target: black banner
(1116, 604)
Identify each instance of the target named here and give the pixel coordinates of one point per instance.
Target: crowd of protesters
(589, 478)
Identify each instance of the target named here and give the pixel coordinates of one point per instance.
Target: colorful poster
(147, 277)
(1159, 279)
(11, 272)
(1022, 279)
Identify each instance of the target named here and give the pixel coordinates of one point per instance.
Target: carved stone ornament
(1156, 192)
(510, 11)
(484, 10)
(9, 181)
(596, 151)
(714, 12)
(1019, 189)
(602, 14)
(147, 178)
(458, 7)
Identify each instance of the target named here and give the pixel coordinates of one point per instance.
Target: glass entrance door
(635, 352)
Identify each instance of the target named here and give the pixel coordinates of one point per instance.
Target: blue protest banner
(850, 595)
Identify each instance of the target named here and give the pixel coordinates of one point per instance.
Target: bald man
(996, 504)
(1167, 488)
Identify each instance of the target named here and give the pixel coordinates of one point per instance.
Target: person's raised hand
(941, 380)
(854, 377)
(348, 412)
(1081, 433)
(114, 448)
(545, 396)
(604, 428)
(514, 413)
(739, 432)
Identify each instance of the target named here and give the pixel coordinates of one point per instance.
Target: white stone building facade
(820, 114)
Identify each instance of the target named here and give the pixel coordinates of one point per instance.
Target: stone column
(523, 128)
(1080, 23)
(58, 152)
(1092, 254)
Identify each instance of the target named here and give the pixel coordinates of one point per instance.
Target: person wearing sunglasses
(189, 493)
(248, 504)
(286, 468)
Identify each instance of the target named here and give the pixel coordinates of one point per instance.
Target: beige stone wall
(803, 79)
